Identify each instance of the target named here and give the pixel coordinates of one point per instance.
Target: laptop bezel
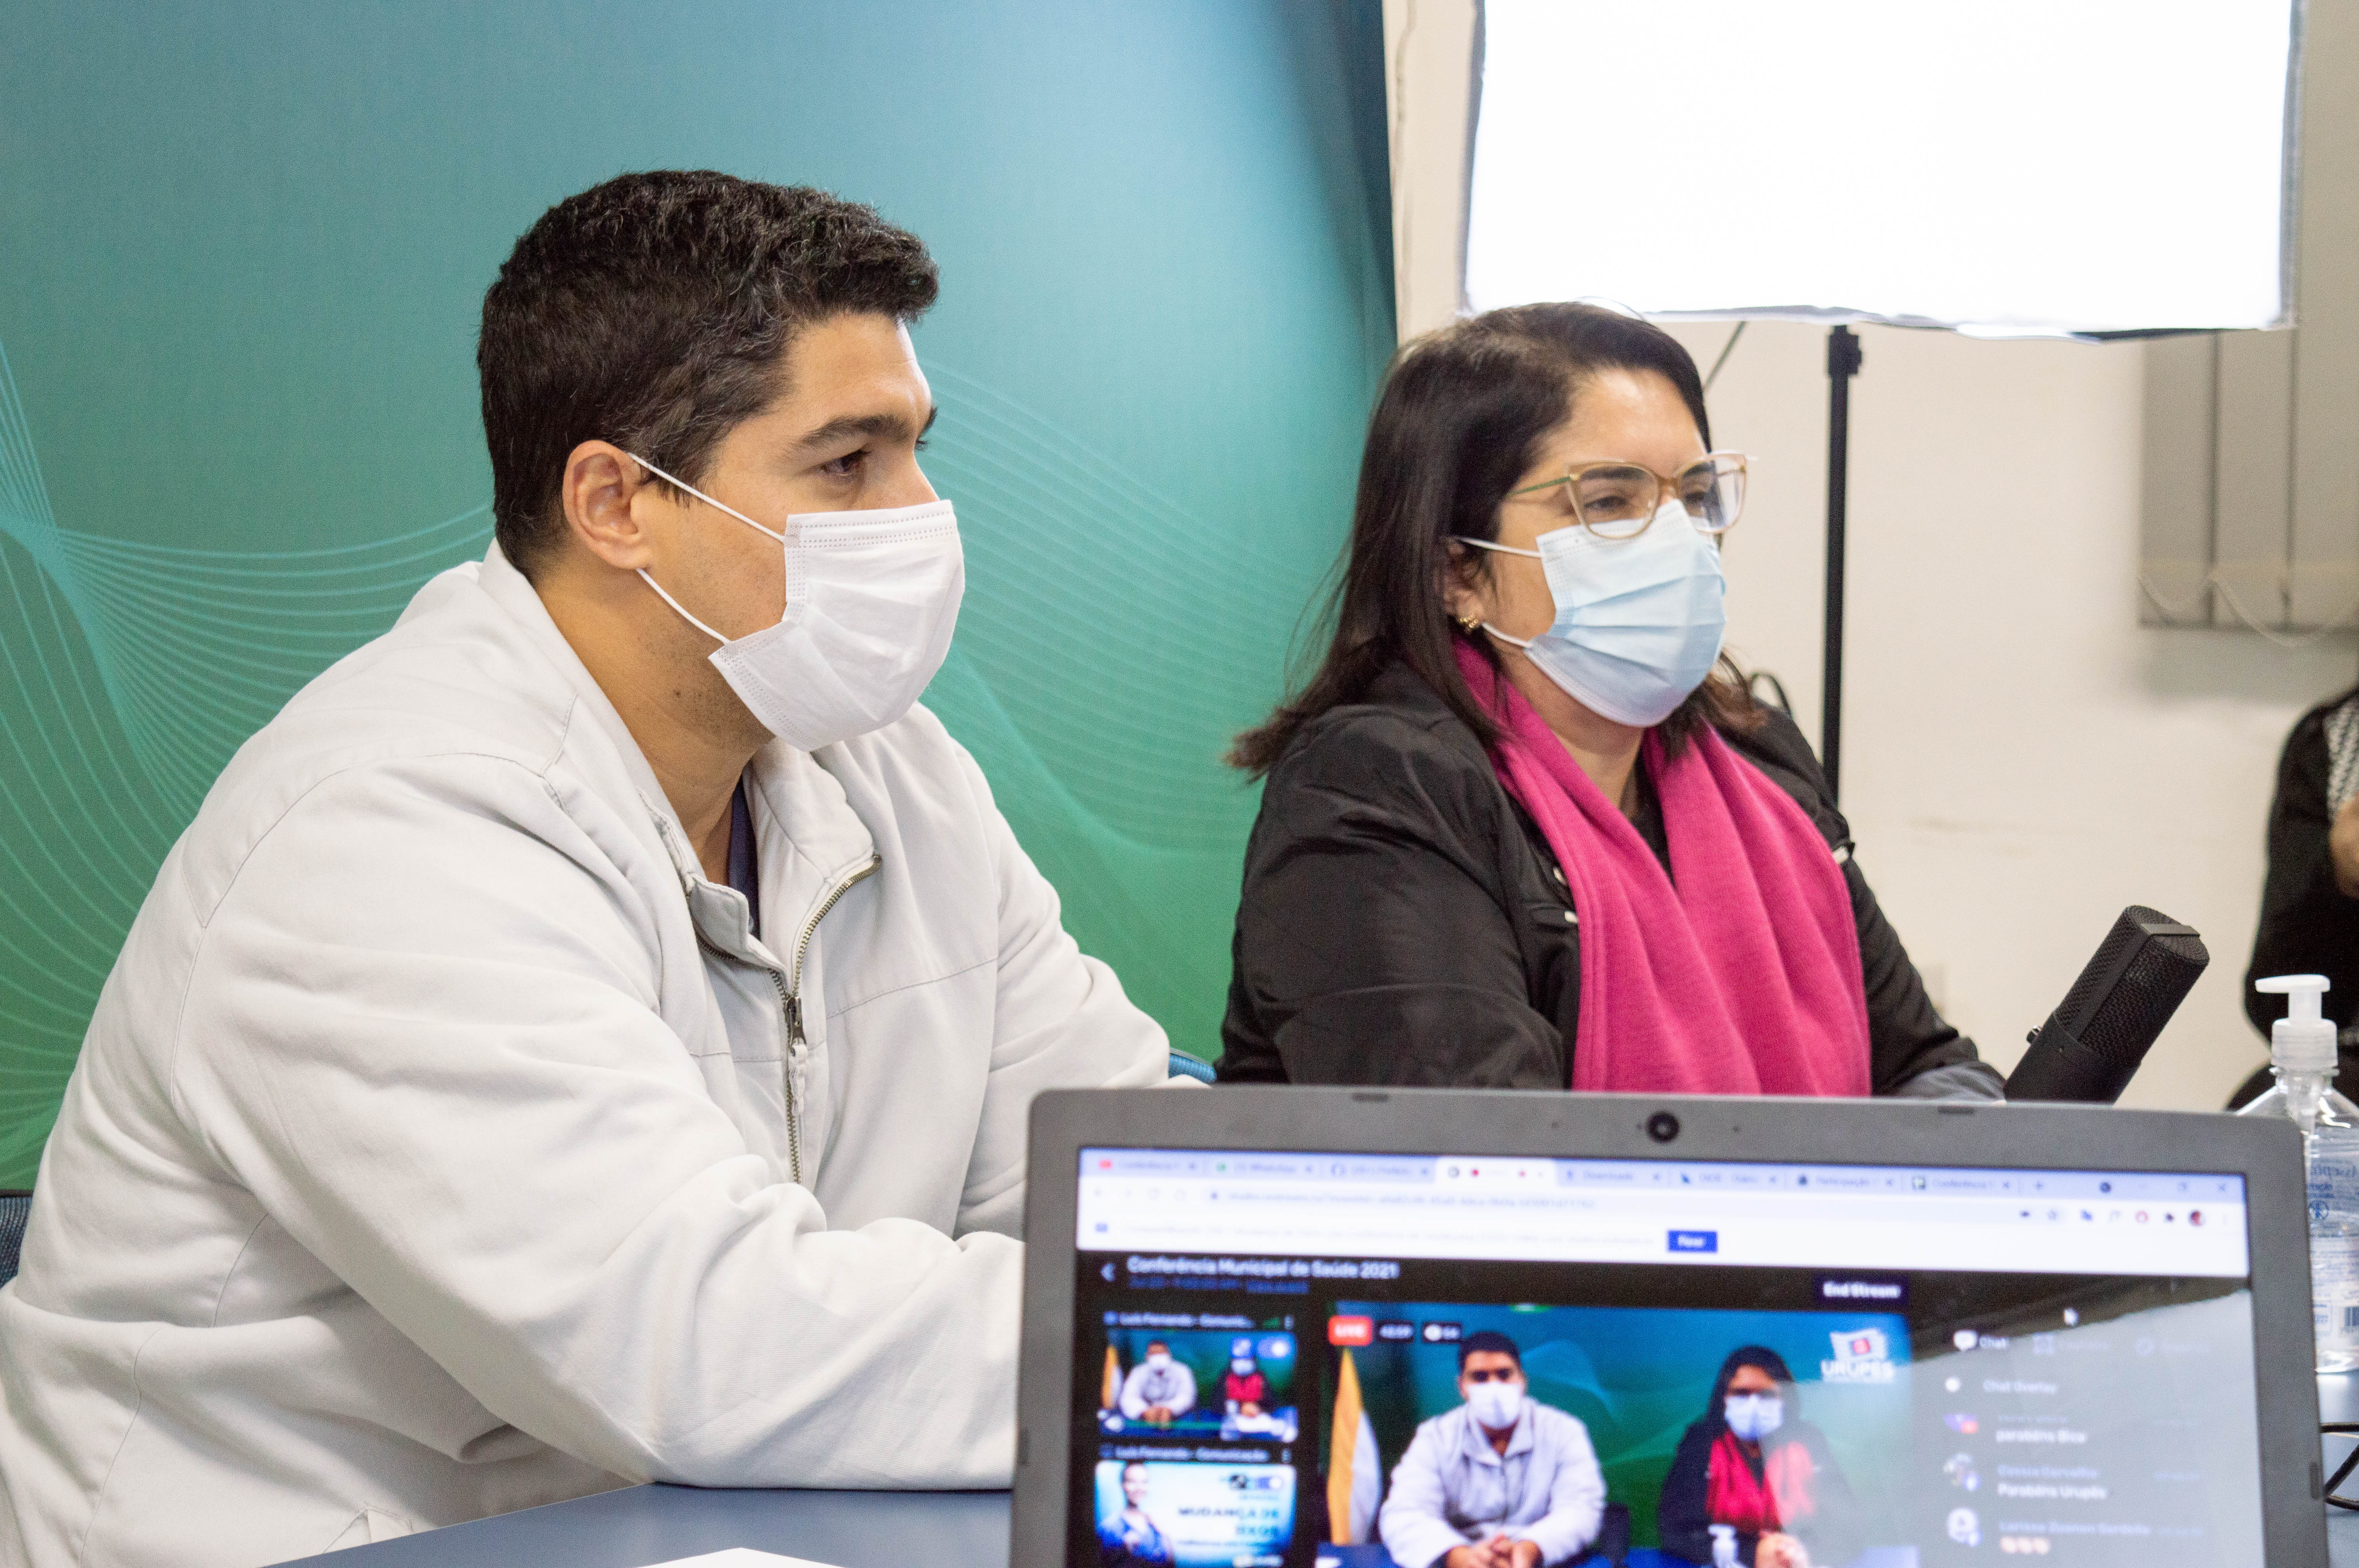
(2265, 1152)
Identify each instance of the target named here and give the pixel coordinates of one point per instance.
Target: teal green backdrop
(243, 248)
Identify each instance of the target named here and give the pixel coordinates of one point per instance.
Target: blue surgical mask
(1638, 622)
(1754, 1416)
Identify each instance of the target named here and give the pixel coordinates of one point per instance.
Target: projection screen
(2003, 167)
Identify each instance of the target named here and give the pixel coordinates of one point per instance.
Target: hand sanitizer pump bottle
(2302, 1059)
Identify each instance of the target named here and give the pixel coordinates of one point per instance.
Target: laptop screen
(1319, 1358)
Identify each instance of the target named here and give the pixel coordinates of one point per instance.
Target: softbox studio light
(2002, 168)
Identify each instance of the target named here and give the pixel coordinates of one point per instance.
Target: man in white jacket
(1502, 1481)
(587, 1036)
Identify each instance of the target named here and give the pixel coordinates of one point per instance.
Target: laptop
(1342, 1328)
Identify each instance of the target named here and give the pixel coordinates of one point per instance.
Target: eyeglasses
(1617, 500)
(1493, 1374)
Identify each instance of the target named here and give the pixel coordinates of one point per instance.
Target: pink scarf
(1737, 974)
(1782, 1497)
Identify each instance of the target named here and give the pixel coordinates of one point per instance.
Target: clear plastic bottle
(2302, 1059)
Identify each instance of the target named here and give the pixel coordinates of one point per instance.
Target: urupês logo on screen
(1860, 1356)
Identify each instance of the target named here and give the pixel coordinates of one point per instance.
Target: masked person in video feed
(1160, 1389)
(1503, 1481)
(1753, 1463)
(587, 1036)
(1129, 1537)
(1524, 827)
(1244, 1391)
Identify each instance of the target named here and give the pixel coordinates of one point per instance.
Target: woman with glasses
(1524, 827)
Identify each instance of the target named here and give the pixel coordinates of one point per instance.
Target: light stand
(1842, 364)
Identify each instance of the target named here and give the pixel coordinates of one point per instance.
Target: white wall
(2021, 759)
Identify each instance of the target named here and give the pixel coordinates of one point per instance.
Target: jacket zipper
(790, 1009)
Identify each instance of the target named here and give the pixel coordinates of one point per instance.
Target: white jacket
(431, 1154)
(1453, 1488)
(1147, 1386)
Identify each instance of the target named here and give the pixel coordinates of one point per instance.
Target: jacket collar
(1401, 690)
(513, 593)
(809, 838)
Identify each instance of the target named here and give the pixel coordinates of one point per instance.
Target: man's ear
(605, 494)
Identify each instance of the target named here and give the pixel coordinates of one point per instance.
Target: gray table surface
(642, 1525)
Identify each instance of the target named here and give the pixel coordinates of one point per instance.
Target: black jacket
(1404, 922)
(1683, 1521)
(2309, 925)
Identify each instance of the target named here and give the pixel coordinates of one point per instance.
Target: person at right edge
(1524, 827)
(2310, 905)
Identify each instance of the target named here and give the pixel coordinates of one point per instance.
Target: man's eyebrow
(880, 427)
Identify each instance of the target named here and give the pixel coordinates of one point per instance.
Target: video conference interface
(1352, 1361)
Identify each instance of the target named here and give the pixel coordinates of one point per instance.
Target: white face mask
(1754, 1416)
(1159, 1359)
(872, 599)
(1495, 1404)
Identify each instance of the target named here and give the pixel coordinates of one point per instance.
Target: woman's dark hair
(1461, 414)
(1744, 1356)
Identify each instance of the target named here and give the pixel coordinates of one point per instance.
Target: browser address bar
(1238, 1217)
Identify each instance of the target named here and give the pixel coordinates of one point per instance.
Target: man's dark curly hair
(655, 311)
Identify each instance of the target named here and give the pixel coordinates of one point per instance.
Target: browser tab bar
(1727, 1214)
(1475, 1169)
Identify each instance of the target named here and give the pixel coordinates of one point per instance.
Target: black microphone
(2097, 1037)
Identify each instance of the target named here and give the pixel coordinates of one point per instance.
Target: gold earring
(1469, 624)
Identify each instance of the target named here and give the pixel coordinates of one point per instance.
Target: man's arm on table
(1412, 1520)
(422, 1031)
(1576, 1496)
(1133, 1402)
(1062, 1022)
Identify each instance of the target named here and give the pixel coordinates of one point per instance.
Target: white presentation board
(2003, 167)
